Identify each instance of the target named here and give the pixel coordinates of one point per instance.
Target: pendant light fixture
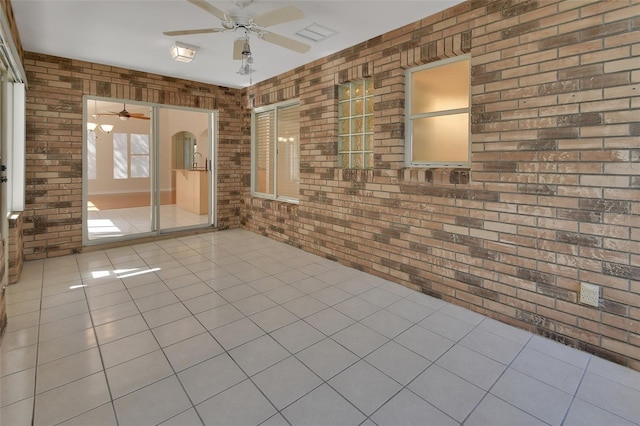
(91, 126)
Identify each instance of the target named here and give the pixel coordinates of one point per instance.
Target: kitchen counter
(192, 190)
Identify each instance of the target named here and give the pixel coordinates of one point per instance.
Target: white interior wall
(104, 182)
(171, 121)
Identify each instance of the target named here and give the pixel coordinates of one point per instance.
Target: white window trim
(408, 154)
(272, 107)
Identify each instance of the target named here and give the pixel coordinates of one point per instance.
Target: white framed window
(120, 156)
(139, 156)
(438, 110)
(355, 124)
(275, 159)
(130, 160)
(92, 159)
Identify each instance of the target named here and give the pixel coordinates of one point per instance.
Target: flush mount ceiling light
(183, 52)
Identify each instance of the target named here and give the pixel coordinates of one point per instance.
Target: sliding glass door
(147, 170)
(185, 168)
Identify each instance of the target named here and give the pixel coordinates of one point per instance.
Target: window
(120, 156)
(139, 156)
(355, 125)
(92, 160)
(437, 109)
(132, 163)
(276, 151)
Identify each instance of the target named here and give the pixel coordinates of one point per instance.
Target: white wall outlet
(590, 294)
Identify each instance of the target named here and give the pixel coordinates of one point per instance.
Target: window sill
(447, 176)
(276, 199)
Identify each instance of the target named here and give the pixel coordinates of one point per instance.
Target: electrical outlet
(590, 294)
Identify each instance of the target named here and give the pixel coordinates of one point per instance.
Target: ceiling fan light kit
(183, 52)
(107, 128)
(246, 49)
(92, 126)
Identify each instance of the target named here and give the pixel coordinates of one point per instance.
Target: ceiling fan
(243, 20)
(125, 115)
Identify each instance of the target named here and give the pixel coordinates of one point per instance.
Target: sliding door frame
(154, 142)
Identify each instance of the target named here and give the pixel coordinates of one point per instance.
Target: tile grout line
(413, 323)
(163, 351)
(35, 379)
(95, 335)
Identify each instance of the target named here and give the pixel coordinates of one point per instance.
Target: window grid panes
(130, 160)
(438, 114)
(355, 124)
(120, 156)
(139, 156)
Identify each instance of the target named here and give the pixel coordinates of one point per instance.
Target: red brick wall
(552, 197)
(53, 212)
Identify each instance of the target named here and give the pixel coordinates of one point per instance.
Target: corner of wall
(16, 246)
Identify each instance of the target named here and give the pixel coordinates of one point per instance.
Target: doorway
(146, 167)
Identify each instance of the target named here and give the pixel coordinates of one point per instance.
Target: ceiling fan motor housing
(243, 3)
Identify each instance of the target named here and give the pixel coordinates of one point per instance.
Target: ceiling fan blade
(279, 16)
(286, 42)
(238, 44)
(189, 32)
(209, 8)
(137, 115)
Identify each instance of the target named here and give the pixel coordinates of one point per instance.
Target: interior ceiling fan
(125, 115)
(242, 19)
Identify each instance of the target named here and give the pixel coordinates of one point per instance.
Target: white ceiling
(128, 33)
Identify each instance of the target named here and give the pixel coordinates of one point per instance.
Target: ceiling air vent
(316, 32)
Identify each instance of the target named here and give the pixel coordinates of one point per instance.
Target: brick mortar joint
(436, 175)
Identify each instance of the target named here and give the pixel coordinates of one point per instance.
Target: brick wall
(16, 246)
(53, 211)
(552, 197)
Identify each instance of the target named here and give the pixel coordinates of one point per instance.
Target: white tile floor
(136, 220)
(232, 328)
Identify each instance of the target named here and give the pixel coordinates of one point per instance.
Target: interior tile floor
(137, 220)
(232, 328)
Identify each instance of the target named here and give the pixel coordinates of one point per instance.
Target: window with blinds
(276, 151)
